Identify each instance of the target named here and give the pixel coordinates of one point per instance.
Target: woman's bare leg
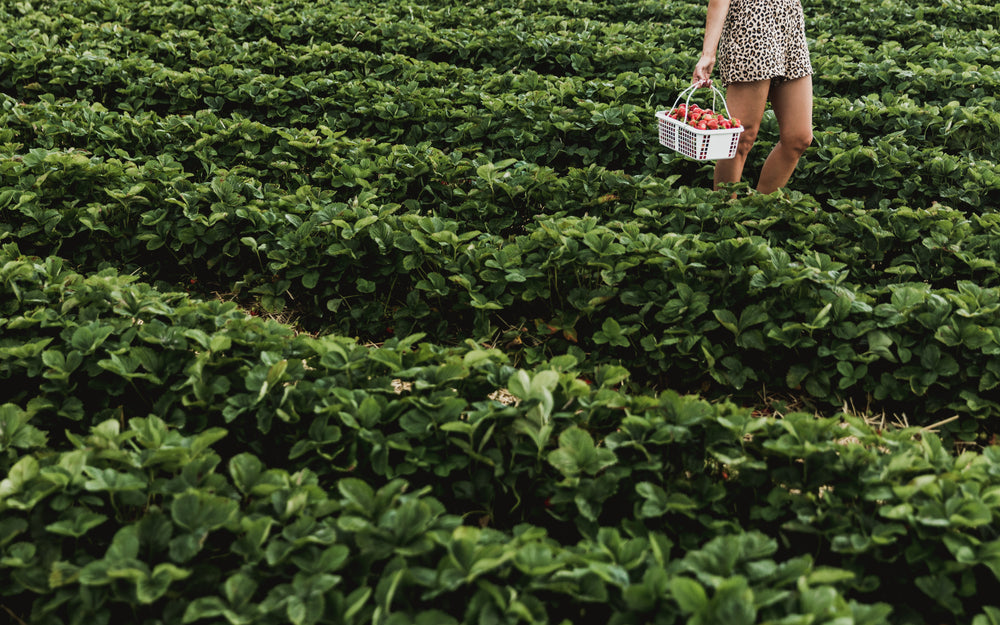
(746, 102)
(792, 104)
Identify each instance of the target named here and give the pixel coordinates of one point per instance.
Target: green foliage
(505, 291)
(631, 477)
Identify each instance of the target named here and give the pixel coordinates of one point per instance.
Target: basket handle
(690, 91)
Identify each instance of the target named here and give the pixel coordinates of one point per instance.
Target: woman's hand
(703, 71)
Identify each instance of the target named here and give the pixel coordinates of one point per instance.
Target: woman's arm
(717, 10)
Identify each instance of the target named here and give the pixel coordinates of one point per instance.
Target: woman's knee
(798, 142)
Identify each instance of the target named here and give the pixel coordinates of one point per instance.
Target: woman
(762, 56)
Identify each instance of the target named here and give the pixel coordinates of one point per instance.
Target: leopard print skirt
(763, 39)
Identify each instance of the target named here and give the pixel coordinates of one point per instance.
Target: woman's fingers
(702, 72)
(700, 80)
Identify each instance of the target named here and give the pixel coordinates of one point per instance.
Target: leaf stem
(12, 615)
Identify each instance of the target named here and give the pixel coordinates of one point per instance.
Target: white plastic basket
(701, 145)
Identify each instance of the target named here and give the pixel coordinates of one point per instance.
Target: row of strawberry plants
(631, 48)
(875, 22)
(844, 67)
(878, 244)
(925, 23)
(670, 301)
(587, 131)
(265, 156)
(940, 78)
(178, 53)
(234, 539)
(258, 20)
(231, 486)
(961, 129)
(883, 134)
(594, 133)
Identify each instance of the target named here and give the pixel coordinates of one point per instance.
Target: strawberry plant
(523, 348)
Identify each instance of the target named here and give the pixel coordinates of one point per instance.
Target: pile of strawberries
(703, 119)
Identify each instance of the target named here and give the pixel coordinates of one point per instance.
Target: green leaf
(73, 462)
(150, 589)
(198, 511)
(519, 384)
(310, 279)
(356, 601)
(186, 546)
(941, 589)
(245, 470)
(359, 494)
(536, 559)
(204, 607)
(20, 474)
(369, 412)
(15, 430)
(10, 528)
(611, 332)
(89, 337)
(796, 374)
(205, 439)
(823, 575)
(19, 555)
(733, 603)
(819, 601)
(689, 594)
(125, 545)
(727, 320)
(577, 454)
(658, 502)
(76, 522)
(109, 480)
(239, 589)
(990, 616)
(611, 573)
